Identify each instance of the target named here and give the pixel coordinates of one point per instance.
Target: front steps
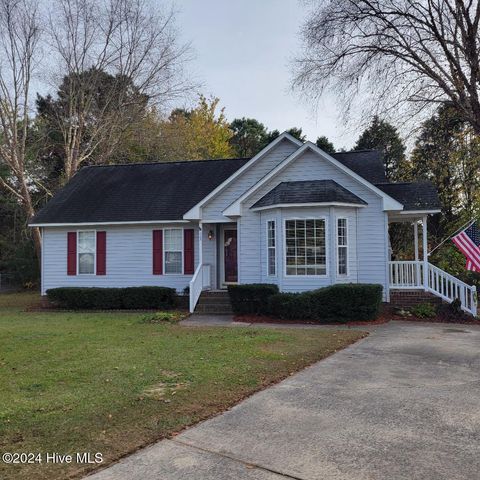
(410, 298)
(214, 302)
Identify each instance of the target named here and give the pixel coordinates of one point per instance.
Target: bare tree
(409, 55)
(19, 39)
(136, 46)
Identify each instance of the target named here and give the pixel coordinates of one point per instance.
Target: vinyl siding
(129, 259)
(213, 209)
(366, 226)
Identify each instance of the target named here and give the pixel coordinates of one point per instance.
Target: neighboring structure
(292, 215)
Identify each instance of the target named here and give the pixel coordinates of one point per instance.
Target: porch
(420, 274)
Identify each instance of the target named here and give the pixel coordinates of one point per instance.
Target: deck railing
(410, 274)
(200, 281)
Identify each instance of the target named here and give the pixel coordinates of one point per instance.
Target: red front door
(230, 255)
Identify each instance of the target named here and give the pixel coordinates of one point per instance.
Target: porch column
(418, 279)
(425, 253)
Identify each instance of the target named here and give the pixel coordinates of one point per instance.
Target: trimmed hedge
(251, 298)
(132, 298)
(337, 303)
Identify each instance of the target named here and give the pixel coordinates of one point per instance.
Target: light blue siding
(212, 211)
(129, 259)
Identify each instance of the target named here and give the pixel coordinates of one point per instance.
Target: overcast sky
(243, 49)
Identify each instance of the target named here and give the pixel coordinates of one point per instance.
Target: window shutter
(158, 252)
(71, 253)
(188, 251)
(101, 253)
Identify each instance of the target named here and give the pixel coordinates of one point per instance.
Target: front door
(230, 255)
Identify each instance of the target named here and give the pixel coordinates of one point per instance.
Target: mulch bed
(265, 319)
(387, 314)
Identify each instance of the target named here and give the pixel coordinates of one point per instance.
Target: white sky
(242, 54)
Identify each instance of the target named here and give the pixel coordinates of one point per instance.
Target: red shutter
(71, 253)
(188, 251)
(158, 252)
(101, 253)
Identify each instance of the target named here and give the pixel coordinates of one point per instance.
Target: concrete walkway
(403, 403)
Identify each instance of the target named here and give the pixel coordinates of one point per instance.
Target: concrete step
(214, 302)
(220, 309)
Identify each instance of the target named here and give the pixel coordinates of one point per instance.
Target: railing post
(425, 253)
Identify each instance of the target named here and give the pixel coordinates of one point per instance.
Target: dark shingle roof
(136, 192)
(413, 195)
(310, 191)
(366, 163)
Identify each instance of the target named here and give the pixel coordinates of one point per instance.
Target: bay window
(305, 247)
(173, 248)
(86, 253)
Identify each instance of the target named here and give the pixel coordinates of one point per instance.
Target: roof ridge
(357, 151)
(165, 162)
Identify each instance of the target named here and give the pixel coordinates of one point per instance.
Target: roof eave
(311, 204)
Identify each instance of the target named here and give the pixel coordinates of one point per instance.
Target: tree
(294, 132)
(409, 55)
(447, 153)
(196, 134)
(19, 38)
(126, 51)
(325, 144)
(383, 136)
(249, 136)
(109, 102)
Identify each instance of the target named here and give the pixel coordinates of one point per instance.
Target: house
(292, 215)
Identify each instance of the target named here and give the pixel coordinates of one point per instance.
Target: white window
(86, 253)
(305, 247)
(173, 247)
(342, 246)
(271, 248)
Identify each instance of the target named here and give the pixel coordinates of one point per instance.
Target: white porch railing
(201, 280)
(406, 274)
(410, 275)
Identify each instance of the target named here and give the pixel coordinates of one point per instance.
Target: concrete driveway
(403, 403)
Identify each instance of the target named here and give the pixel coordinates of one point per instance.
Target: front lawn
(111, 382)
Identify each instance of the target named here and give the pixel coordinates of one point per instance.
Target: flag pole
(464, 226)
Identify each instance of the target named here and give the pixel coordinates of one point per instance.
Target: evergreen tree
(249, 136)
(325, 144)
(383, 136)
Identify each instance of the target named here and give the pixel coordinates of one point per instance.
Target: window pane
(271, 252)
(173, 239)
(342, 260)
(86, 263)
(86, 242)
(305, 246)
(173, 262)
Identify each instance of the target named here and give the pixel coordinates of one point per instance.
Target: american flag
(468, 242)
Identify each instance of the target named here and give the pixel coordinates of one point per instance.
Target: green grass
(111, 383)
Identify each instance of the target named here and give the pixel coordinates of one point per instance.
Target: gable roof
(366, 163)
(194, 212)
(135, 192)
(415, 196)
(389, 203)
(308, 191)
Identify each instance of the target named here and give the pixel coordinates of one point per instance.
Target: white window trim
(94, 253)
(164, 253)
(337, 247)
(275, 236)
(327, 246)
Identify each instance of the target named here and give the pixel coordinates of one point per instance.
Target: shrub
(251, 298)
(336, 303)
(148, 297)
(161, 317)
(424, 310)
(80, 298)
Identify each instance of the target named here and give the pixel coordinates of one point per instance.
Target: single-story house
(292, 215)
